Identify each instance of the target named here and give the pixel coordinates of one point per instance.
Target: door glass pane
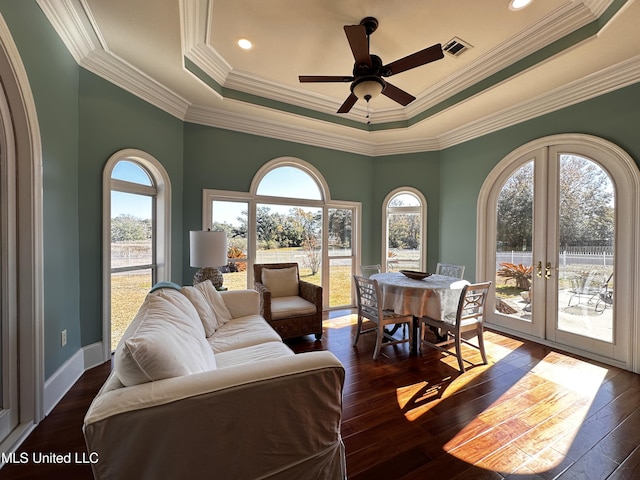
(232, 217)
(290, 234)
(340, 271)
(586, 240)
(340, 224)
(128, 291)
(514, 244)
(341, 256)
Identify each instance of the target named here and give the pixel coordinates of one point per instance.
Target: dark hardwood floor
(533, 412)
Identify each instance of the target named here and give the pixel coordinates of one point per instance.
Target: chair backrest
(367, 294)
(472, 301)
(456, 271)
(257, 269)
(367, 270)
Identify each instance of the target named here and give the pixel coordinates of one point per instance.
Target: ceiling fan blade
(348, 103)
(324, 78)
(414, 60)
(359, 43)
(400, 96)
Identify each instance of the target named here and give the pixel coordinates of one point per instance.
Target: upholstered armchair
(292, 306)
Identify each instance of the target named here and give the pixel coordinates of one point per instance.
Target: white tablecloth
(433, 297)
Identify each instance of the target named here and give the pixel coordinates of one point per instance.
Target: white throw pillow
(163, 344)
(201, 302)
(282, 282)
(217, 302)
(189, 312)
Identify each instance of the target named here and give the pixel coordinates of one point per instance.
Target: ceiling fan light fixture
(366, 88)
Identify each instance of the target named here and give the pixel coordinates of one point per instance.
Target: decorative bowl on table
(414, 274)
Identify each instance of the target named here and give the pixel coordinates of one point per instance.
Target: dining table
(434, 296)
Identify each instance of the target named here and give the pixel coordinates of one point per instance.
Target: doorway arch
(23, 276)
(624, 174)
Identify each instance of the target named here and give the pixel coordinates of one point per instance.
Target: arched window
(136, 237)
(288, 217)
(404, 236)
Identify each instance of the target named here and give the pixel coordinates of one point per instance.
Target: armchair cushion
(282, 282)
(291, 306)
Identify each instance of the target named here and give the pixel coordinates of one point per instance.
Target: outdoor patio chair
(369, 307)
(449, 270)
(468, 317)
(586, 285)
(605, 296)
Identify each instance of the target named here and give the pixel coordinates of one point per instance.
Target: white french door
(558, 243)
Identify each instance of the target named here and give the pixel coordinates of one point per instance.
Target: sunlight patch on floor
(341, 321)
(511, 422)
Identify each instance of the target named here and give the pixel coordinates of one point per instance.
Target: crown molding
(71, 20)
(254, 125)
(115, 70)
(605, 81)
(74, 24)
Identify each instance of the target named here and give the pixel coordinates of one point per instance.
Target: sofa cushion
(293, 306)
(243, 332)
(281, 282)
(162, 342)
(252, 354)
(188, 313)
(203, 306)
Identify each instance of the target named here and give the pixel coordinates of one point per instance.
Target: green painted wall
(225, 160)
(111, 120)
(614, 117)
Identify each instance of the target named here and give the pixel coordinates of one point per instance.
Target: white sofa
(203, 387)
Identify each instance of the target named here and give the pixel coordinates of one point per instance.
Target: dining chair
(449, 270)
(468, 317)
(367, 270)
(369, 307)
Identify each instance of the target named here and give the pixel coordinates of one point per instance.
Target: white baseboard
(56, 386)
(93, 355)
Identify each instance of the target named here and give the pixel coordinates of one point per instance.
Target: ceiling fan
(368, 70)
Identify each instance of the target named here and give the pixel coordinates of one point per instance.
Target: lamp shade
(207, 248)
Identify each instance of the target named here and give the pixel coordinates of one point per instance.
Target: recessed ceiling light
(244, 43)
(519, 4)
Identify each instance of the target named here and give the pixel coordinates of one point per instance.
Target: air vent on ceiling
(456, 47)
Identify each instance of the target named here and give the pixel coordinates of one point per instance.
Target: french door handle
(539, 273)
(547, 271)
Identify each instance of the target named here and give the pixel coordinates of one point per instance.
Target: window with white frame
(288, 217)
(404, 239)
(136, 219)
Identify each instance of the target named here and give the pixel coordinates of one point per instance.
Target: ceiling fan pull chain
(368, 113)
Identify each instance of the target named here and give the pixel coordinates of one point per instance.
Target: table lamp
(208, 250)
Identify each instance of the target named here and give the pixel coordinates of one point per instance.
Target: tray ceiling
(182, 57)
